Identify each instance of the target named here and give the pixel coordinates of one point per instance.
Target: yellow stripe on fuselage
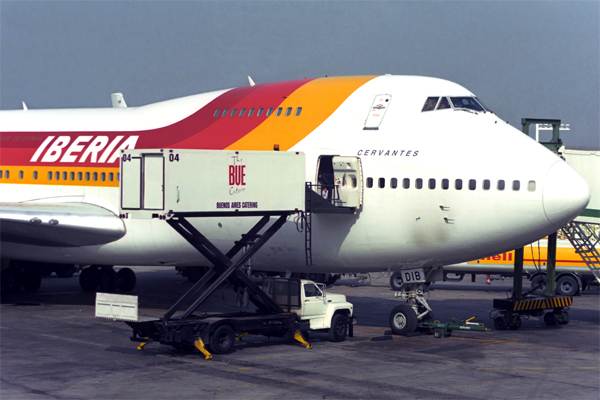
(67, 176)
(319, 99)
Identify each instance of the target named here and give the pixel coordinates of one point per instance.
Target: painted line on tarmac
(536, 368)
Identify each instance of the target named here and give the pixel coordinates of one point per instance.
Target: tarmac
(52, 347)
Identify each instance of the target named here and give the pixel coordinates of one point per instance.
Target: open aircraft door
(347, 174)
(142, 182)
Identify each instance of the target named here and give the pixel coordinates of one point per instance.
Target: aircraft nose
(565, 194)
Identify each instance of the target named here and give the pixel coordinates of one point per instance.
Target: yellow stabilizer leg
(200, 346)
(298, 337)
(142, 345)
(240, 336)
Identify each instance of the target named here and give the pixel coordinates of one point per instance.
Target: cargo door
(153, 178)
(131, 182)
(377, 112)
(347, 173)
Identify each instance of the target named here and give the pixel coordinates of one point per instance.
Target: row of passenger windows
(68, 176)
(471, 184)
(242, 112)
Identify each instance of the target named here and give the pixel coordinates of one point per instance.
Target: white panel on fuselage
(131, 184)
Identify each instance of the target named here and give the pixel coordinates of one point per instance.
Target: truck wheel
(563, 319)
(11, 280)
(222, 340)
(550, 318)
(539, 282)
(403, 320)
(127, 280)
(500, 323)
(396, 280)
(515, 323)
(567, 286)
(339, 328)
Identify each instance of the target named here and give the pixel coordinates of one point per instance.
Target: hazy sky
(538, 59)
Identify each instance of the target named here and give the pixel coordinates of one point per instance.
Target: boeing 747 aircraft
(438, 179)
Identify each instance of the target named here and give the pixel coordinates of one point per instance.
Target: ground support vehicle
(507, 313)
(440, 329)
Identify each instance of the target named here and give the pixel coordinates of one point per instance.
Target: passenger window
(406, 183)
(57, 176)
(458, 184)
(233, 112)
(516, 185)
(531, 186)
(87, 176)
(260, 111)
(472, 184)
(111, 176)
(486, 184)
(444, 103)
(1, 173)
(217, 111)
(349, 181)
(79, 176)
(381, 183)
(7, 174)
(103, 176)
(225, 112)
(242, 112)
(49, 175)
(269, 112)
(288, 111)
(21, 175)
(298, 111)
(64, 175)
(251, 112)
(432, 184)
(445, 184)
(72, 175)
(393, 183)
(118, 176)
(369, 182)
(35, 175)
(501, 184)
(419, 183)
(95, 176)
(430, 103)
(278, 113)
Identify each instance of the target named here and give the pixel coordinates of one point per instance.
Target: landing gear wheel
(31, 279)
(11, 280)
(403, 320)
(126, 279)
(222, 340)
(500, 323)
(550, 318)
(515, 322)
(89, 278)
(109, 280)
(567, 286)
(64, 270)
(339, 328)
(396, 280)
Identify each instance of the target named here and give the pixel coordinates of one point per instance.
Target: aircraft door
(347, 173)
(377, 112)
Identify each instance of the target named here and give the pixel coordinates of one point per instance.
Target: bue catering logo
(237, 172)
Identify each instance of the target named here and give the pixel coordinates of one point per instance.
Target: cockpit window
(444, 103)
(430, 103)
(466, 102)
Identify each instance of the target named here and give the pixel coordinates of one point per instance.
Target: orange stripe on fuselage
(318, 98)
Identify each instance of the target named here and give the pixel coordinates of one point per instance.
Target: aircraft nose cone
(565, 194)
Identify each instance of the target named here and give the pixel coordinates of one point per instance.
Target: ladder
(584, 238)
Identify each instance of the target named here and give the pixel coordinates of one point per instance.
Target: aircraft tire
(396, 280)
(222, 340)
(31, 279)
(126, 279)
(403, 319)
(339, 328)
(11, 280)
(89, 278)
(109, 280)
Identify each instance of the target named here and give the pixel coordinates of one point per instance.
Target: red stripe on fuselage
(201, 130)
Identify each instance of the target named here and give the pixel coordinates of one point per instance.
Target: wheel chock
(298, 336)
(200, 346)
(142, 345)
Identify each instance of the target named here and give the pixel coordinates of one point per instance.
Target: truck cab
(311, 303)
